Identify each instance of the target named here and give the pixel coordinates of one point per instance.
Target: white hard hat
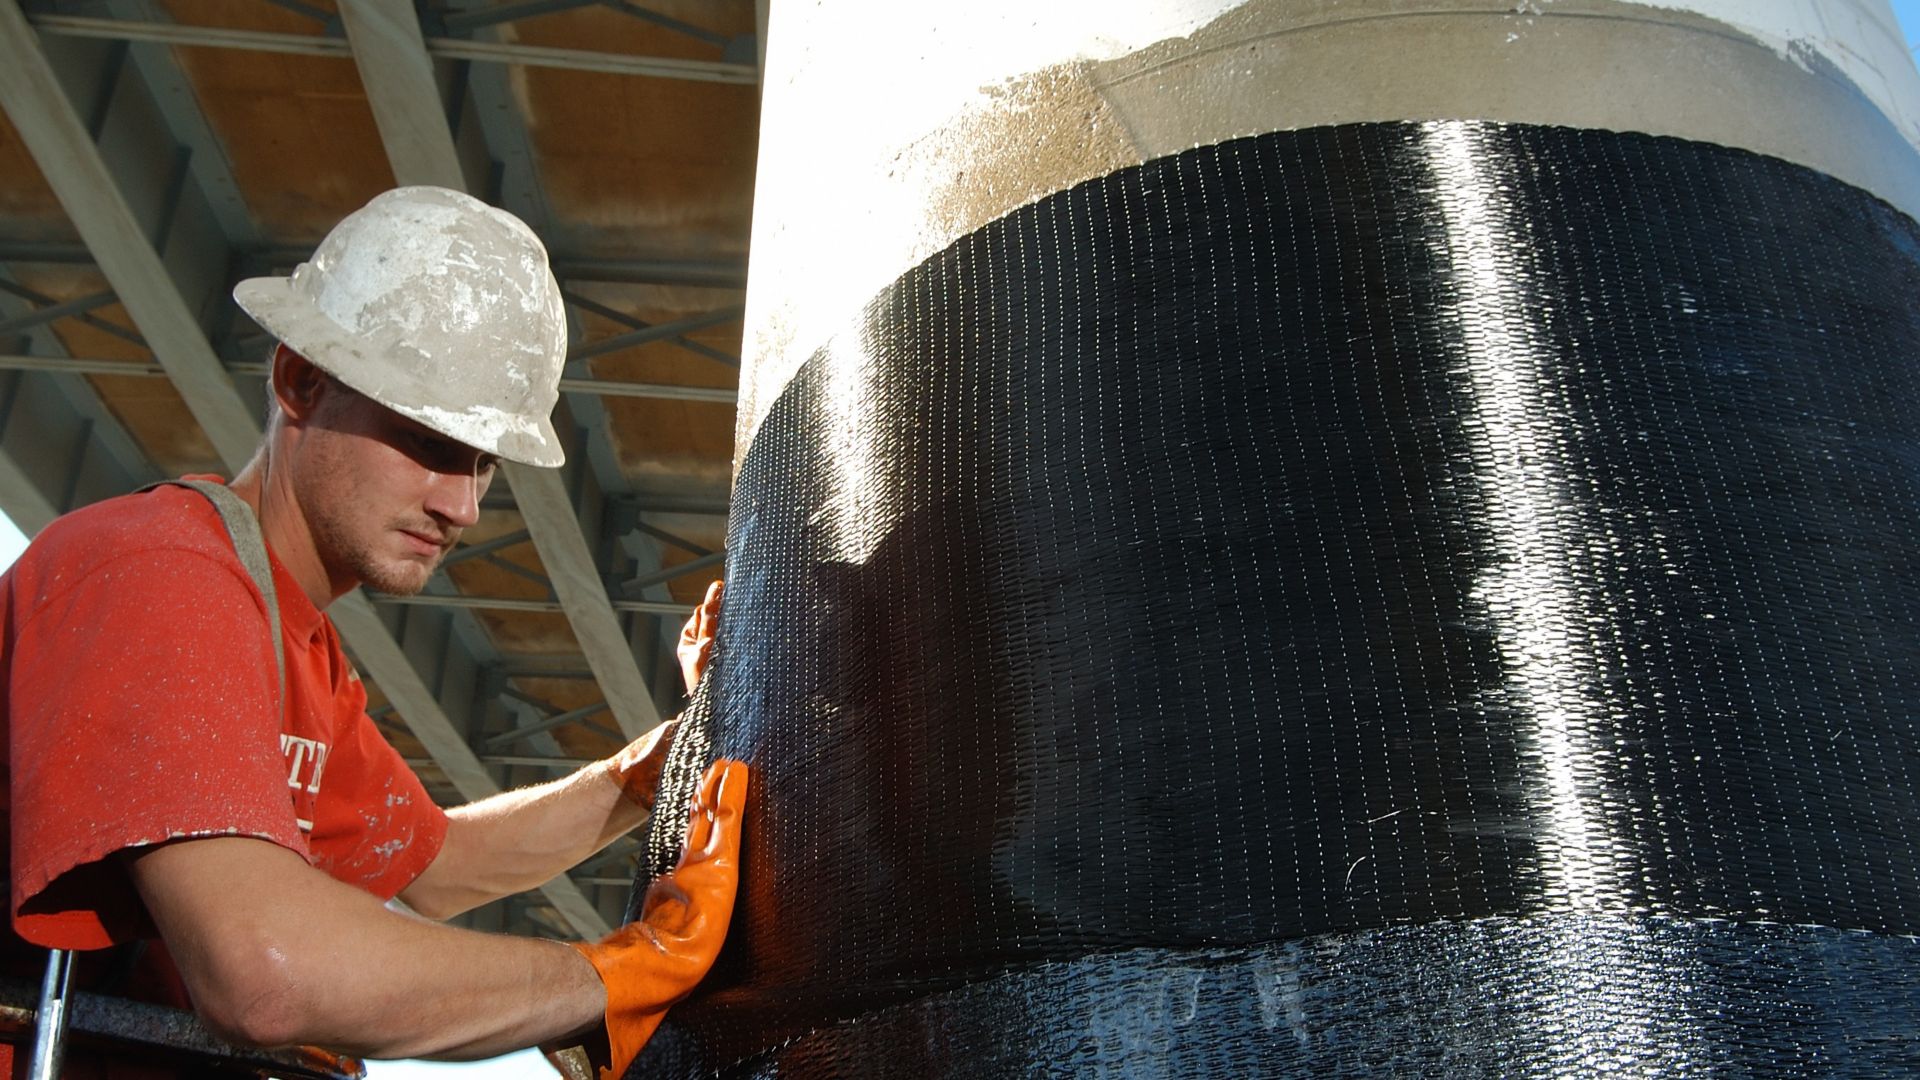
(437, 306)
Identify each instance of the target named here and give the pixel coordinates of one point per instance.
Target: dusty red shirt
(137, 706)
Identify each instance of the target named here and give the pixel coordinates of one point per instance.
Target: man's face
(384, 497)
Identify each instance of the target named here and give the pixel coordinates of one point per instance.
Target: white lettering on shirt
(306, 761)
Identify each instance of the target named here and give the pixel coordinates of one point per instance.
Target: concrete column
(890, 130)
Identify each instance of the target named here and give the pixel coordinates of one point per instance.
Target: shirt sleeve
(374, 826)
(142, 709)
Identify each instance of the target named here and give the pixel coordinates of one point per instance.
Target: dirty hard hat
(437, 306)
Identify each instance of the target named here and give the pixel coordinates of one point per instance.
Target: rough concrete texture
(843, 208)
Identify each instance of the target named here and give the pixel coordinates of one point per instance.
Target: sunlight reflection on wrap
(1538, 596)
(1390, 598)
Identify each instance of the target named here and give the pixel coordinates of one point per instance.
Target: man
(165, 779)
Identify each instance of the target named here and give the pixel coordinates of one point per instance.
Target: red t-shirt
(137, 706)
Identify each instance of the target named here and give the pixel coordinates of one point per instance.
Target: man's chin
(405, 580)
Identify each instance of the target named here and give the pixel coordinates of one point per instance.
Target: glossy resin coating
(1375, 597)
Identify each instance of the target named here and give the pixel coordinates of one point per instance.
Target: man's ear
(297, 384)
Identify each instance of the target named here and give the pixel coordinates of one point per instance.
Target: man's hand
(648, 965)
(696, 638)
(637, 768)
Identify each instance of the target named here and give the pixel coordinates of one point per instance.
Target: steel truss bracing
(110, 119)
(81, 365)
(440, 47)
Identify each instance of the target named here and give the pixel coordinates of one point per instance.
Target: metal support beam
(624, 319)
(398, 74)
(53, 133)
(79, 365)
(666, 574)
(565, 764)
(38, 299)
(26, 504)
(174, 95)
(761, 9)
(617, 851)
(518, 571)
(85, 365)
(686, 29)
(536, 730)
(76, 464)
(40, 410)
(709, 352)
(550, 516)
(594, 387)
(508, 738)
(305, 11)
(399, 79)
(612, 388)
(473, 551)
(55, 254)
(665, 331)
(506, 13)
(511, 603)
(568, 267)
(51, 312)
(718, 273)
(445, 48)
(539, 667)
(659, 502)
(682, 543)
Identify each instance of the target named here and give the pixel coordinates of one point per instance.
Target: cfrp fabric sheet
(1371, 599)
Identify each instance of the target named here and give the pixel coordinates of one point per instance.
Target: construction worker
(187, 750)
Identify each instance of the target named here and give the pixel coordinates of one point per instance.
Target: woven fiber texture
(1451, 563)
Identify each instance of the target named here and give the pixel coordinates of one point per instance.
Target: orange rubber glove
(650, 964)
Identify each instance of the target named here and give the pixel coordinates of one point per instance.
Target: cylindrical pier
(1340, 538)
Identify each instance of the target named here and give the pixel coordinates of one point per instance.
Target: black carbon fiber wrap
(1554, 995)
(1383, 598)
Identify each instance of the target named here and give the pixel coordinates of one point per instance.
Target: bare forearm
(296, 957)
(447, 993)
(520, 839)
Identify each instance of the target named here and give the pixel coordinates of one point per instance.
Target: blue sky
(1908, 12)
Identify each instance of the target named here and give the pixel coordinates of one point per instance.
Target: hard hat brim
(292, 318)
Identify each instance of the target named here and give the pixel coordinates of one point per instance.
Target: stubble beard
(340, 548)
(343, 545)
(344, 540)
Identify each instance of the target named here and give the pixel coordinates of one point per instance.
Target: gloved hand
(696, 638)
(652, 963)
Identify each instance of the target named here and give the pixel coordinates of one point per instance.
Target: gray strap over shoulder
(244, 529)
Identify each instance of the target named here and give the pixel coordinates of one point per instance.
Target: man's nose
(455, 497)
